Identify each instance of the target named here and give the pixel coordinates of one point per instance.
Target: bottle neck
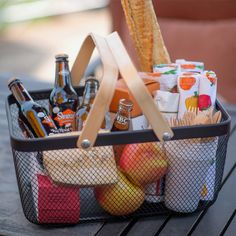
(62, 74)
(89, 94)
(20, 93)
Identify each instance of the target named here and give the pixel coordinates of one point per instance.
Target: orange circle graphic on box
(186, 83)
(188, 66)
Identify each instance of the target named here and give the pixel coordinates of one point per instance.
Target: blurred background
(33, 31)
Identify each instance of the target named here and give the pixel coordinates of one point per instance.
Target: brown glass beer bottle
(25, 129)
(63, 98)
(34, 116)
(122, 119)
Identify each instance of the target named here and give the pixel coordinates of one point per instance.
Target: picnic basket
(69, 204)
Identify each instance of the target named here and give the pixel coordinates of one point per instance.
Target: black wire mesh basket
(125, 174)
(183, 176)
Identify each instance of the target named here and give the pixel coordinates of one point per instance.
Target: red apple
(143, 163)
(121, 198)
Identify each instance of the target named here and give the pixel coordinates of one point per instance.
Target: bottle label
(121, 123)
(64, 119)
(122, 120)
(46, 122)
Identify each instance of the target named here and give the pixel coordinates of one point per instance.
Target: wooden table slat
(147, 226)
(116, 228)
(217, 215)
(179, 226)
(230, 158)
(231, 230)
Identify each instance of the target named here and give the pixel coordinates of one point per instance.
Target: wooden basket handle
(114, 56)
(106, 90)
(138, 89)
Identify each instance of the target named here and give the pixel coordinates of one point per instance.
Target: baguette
(146, 33)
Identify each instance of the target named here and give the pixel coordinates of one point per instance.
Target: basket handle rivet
(85, 144)
(166, 136)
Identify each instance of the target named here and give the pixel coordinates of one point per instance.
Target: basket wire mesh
(183, 176)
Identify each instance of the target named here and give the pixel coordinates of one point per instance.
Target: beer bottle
(34, 115)
(63, 98)
(122, 119)
(24, 129)
(90, 91)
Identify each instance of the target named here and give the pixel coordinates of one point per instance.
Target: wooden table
(219, 219)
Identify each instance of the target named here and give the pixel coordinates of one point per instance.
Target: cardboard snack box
(122, 91)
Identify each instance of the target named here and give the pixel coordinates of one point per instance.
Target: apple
(143, 163)
(121, 198)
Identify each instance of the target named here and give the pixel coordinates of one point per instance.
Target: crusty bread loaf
(81, 167)
(146, 33)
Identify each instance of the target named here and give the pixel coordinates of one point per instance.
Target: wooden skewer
(195, 117)
(217, 117)
(189, 117)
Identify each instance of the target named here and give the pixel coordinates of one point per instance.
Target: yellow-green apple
(143, 163)
(121, 198)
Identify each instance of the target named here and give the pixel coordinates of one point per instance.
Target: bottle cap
(61, 56)
(13, 81)
(92, 80)
(126, 103)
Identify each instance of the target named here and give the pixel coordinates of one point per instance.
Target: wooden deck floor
(219, 219)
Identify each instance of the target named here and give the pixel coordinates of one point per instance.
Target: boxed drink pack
(55, 204)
